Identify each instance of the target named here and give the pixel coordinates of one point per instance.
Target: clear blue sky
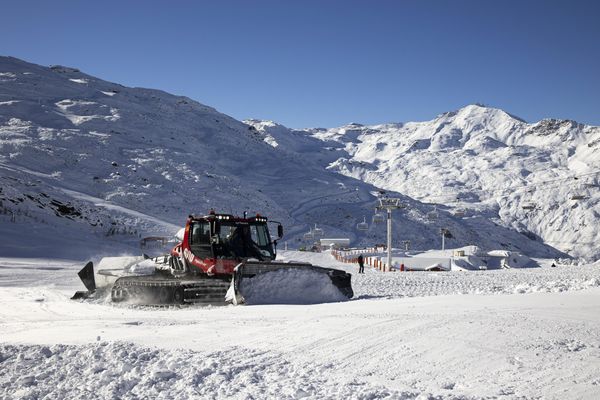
(327, 63)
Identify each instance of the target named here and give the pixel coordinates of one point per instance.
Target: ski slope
(412, 340)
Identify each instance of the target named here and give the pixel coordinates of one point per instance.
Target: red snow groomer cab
(216, 253)
(215, 244)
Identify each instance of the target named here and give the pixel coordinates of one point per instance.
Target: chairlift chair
(432, 215)
(459, 212)
(591, 183)
(579, 192)
(378, 218)
(577, 196)
(363, 226)
(528, 206)
(317, 232)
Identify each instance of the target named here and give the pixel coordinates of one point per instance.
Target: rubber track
(153, 290)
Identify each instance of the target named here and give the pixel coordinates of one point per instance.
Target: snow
(7, 77)
(414, 341)
(418, 284)
(79, 80)
(76, 111)
(86, 173)
(125, 371)
(293, 286)
(145, 267)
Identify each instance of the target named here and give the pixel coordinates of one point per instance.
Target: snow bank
(290, 286)
(127, 371)
(513, 281)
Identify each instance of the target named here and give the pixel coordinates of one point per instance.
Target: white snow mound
(290, 286)
(146, 267)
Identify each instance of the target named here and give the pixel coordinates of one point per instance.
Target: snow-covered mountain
(542, 179)
(81, 154)
(88, 167)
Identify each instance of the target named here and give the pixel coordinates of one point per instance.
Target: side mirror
(280, 231)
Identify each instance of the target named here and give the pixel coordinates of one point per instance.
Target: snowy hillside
(87, 167)
(95, 157)
(540, 179)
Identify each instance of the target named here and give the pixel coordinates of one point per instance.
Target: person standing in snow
(361, 264)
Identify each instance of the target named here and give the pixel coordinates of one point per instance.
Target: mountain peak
(479, 110)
